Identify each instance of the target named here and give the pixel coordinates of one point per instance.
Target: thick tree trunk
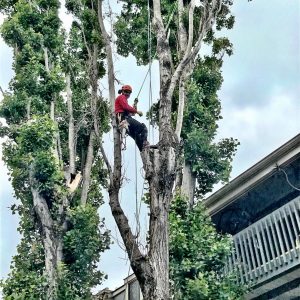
(50, 242)
(152, 270)
(160, 173)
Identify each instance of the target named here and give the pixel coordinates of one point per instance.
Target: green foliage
(83, 243)
(65, 288)
(132, 28)
(36, 136)
(210, 161)
(26, 281)
(13, 108)
(197, 256)
(42, 58)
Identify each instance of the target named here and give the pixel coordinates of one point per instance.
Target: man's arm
(126, 107)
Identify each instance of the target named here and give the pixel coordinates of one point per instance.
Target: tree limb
(207, 20)
(110, 65)
(191, 27)
(106, 161)
(2, 92)
(49, 239)
(88, 169)
(181, 104)
(182, 34)
(71, 133)
(163, 48)
(84, 40)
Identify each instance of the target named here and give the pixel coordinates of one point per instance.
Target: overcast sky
(260, 100)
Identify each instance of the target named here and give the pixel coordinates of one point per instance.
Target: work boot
(146, 145)
(153, 147)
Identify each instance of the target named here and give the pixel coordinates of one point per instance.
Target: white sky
(260, 99)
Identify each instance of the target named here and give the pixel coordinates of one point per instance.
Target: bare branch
(87, 169)
(163, 48)
(28, 108)
(71, 135)
(182, 34)
(47, 226)
(181, 104)
(46, 57)
(106, 162)
(59, 150)
(110, 64)
(137, 259)
(191, 27)
(207, 21)
(2, 92)
(84, 39)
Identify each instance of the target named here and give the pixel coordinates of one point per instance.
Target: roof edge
(248, 178)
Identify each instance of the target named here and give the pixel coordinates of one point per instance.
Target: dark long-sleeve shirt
(121, 105)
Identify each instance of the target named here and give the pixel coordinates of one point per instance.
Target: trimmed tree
(180, 27)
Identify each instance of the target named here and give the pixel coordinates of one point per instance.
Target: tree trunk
(152, 270)
(188, 184)
(49, 241)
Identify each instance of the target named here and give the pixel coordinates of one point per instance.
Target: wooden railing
(268, 247)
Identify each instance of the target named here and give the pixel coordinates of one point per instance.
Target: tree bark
(188, 184)
(88, 168)
(49, 241)
(152, 270)
(181, 104)
(182, 34)
(71, 137)
(28, 109)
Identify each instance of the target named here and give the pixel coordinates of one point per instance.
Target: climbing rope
(150, 104)
(149, 41)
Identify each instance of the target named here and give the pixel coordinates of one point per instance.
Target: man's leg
(138, 131)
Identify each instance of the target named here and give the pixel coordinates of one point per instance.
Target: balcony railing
(268, 247)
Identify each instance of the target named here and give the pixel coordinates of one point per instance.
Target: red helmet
(126, 87)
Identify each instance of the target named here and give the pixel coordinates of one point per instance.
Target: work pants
(138, 131)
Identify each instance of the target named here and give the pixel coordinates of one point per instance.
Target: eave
(254, 175)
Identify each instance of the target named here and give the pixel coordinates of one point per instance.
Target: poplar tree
(179, 29)
(53, 112)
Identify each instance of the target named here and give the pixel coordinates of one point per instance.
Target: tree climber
(138, 131)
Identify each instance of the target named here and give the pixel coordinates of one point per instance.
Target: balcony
(269, 247)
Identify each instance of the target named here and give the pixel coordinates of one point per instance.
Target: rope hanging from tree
(150, 104)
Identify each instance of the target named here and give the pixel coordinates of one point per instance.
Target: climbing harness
(124, 126)
(123, 129)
